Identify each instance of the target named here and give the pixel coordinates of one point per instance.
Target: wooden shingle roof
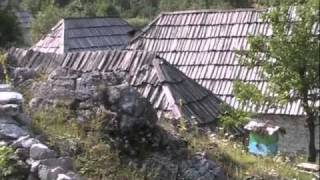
(171, 93)
(204, 45)
(85, 34)
(169, 90)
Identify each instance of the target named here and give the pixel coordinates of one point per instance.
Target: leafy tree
(34, 6)
(105, 8)
(290, 59)
(44, 21)
(10, 32)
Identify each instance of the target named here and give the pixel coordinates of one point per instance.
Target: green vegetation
(45, 19)
(10, 33)
(289, 63)
(3, 68)
(6, 167)
(139, 12)
(94, 159)
(232, 118)
(10, 167)
(239, 164)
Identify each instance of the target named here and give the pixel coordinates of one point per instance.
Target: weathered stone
(159, 167)
(5, 88)
(200, 168)
(34, 165)
(7, 120)
(40, 151)
(22, 74)
(10, 98)
(32, 177)
(25, 142)
(23, 119)
(63, 162)
(64, 177)
(11, 131)
(9, 109)
(22, 153)
(49, 173)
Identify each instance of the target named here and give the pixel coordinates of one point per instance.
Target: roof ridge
(212, 11)
(92, 17)
(145, 29)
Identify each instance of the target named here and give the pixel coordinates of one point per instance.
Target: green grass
(95, 159)
(92, 156)
(239, 164)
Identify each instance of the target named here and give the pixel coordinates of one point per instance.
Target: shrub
(232, 118)
(3, 69)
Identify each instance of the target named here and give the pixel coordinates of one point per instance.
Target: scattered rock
(25, 142)
(11, 131)
(309, 167)
(40, 151)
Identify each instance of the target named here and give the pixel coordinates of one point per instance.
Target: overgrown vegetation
(9, 164)
(239, 164)
(93, 157)
(232, 118)
(6, 167)
(3, 68)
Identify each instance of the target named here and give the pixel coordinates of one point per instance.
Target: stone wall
(129, 124)
(32, 159)
(297, 135)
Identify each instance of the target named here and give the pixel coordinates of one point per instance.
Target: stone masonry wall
(296, 138)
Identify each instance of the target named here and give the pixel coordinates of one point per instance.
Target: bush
(6, 168)
(232, 118)
(4, 76)
(10, 32)
(10, 166)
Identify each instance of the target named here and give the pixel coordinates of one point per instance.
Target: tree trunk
(312, 156)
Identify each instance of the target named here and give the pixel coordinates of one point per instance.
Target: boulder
(5, 88)
(10, 98)
(25, 142)
(200, 168)
(49, 173)
(10, 109)
(63, 162)
(40, 151)
(11, 131)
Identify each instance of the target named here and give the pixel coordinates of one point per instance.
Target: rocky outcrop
(32, 159)
(129, 123)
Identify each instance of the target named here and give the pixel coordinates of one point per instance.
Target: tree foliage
(44, 21)
(290, 58)
(10, 32)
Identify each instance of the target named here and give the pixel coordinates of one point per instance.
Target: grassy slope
(95, 159)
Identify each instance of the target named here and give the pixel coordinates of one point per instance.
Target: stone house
(204, 44)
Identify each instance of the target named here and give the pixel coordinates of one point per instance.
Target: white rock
(6, 97)
(63, 177)
(5, 87)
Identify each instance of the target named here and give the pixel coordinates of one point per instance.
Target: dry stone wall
(32, 159)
